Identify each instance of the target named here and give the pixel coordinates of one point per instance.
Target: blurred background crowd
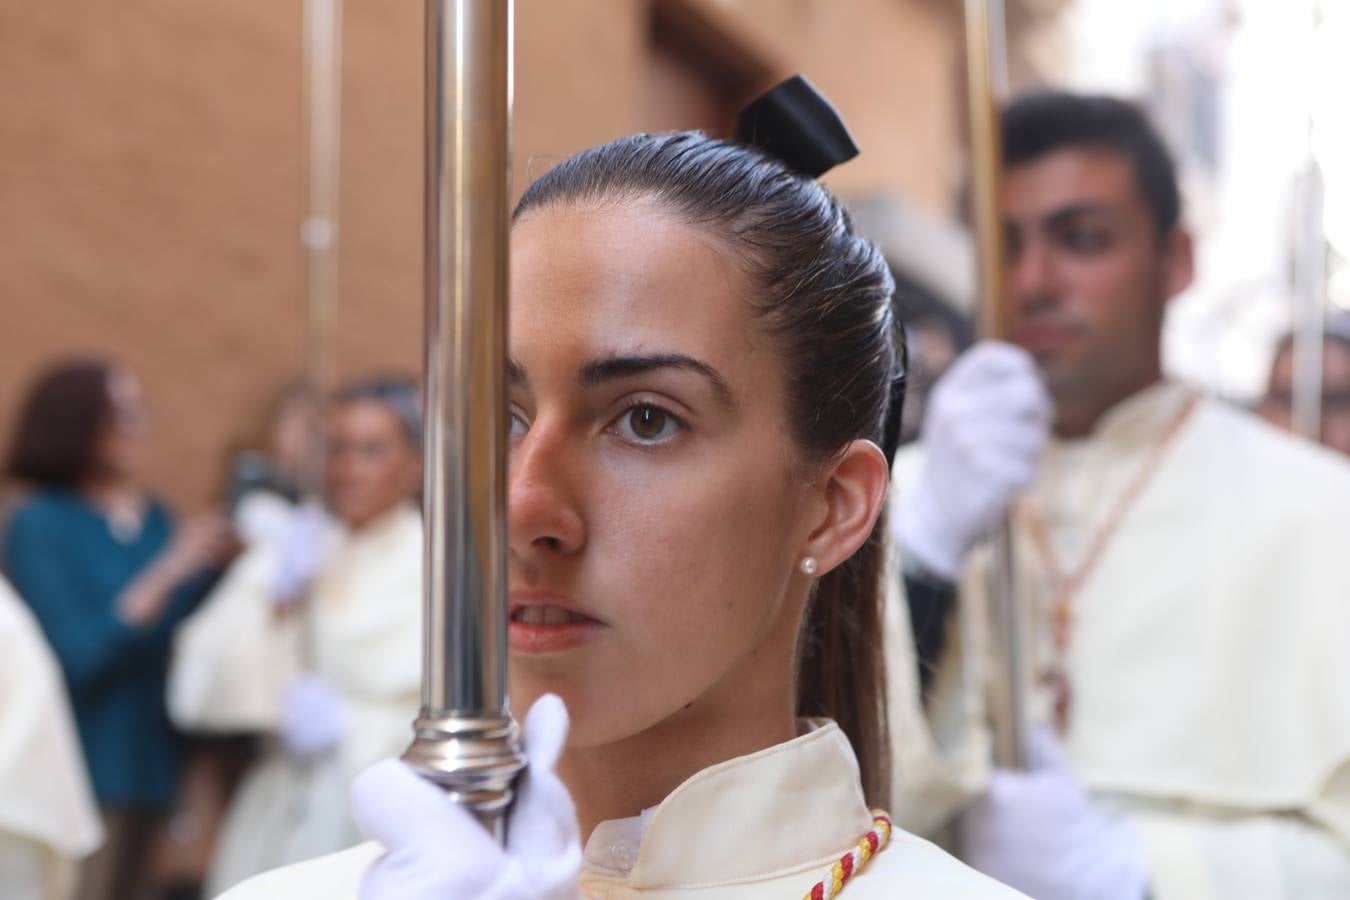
(162, 508)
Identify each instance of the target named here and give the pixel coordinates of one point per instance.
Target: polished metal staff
(985, 78)
(1309, 296)
(321, 91)
(465, 738)
(322, 101)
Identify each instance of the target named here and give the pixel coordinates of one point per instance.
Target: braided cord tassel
(848, 865)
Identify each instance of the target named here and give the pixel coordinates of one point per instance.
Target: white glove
(436, 850)
(1040, 832)
(313, 717)
(986, 425)
(302, 551)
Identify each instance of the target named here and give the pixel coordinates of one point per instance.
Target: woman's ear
(854, 490)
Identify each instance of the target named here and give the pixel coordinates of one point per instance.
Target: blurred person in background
(936, 333)
(1179, 565)
(262, 492)
(264, 482)
(48, 818)
(109, 577)
(1277, 406)
(315, 641)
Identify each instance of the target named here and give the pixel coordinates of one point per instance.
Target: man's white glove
(1040, 832)
(301, 552)
(435, 849)
(313, 717)
(986, 425)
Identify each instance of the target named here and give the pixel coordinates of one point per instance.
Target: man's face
(1277, 407)
(1088, 275)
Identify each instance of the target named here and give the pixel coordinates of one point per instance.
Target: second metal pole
(984, 58)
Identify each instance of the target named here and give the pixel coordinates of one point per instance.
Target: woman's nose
(543, 513)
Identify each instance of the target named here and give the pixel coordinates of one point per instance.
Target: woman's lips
(541, 626)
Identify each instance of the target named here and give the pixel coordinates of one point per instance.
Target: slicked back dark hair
(1038, 124)
(55, 439)
(823, 295)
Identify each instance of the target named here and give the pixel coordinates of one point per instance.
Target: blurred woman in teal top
(109, 577)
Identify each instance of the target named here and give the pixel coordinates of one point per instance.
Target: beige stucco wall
(149, 156)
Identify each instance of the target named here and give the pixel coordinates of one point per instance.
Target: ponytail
(841, 673)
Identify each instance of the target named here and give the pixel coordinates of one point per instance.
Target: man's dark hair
(1041, 123)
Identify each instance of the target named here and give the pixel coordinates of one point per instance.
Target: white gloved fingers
(309, 685)
(436, 850)
(1009, 790)
(305, 533)
(543, 819)
(545, 731)
(1014, 399)
(990, 361)
(922, 532)
(409, 815)
(311, 696)
(1040, 832)
(1044, 751)
(984, 433)
(301, 552)
(1018, 440)
(313, 716)
(1002, 477)
(308, 520)
(993, 379)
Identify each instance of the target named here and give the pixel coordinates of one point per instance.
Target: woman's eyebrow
(515, 374)
(601, 370)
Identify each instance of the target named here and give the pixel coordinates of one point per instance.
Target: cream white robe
(48, 816)
(766, 825)
(234, 659)
(1209, 658)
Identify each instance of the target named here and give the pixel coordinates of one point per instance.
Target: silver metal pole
(321, 87)
(985, 76)
(1309, 291)
(465, 738)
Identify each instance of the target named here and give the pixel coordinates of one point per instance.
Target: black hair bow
(796, 125)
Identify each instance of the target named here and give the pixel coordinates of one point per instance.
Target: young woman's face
(657, 507)
(372, 466)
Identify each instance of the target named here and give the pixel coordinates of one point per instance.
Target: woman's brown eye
(647, 424)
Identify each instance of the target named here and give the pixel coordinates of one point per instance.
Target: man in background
(1179, 567)
(1277, 407)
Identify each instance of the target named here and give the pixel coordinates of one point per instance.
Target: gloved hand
(986, 425)
(302, 552)
(313, 717)
(1039, 831)
(436, 849)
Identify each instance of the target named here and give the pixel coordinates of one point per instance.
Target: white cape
(48, 817)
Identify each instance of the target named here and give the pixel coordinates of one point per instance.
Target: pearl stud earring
(808, 565)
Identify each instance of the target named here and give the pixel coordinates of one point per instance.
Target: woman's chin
(593, 721)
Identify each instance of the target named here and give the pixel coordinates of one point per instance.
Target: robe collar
(789, 807)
